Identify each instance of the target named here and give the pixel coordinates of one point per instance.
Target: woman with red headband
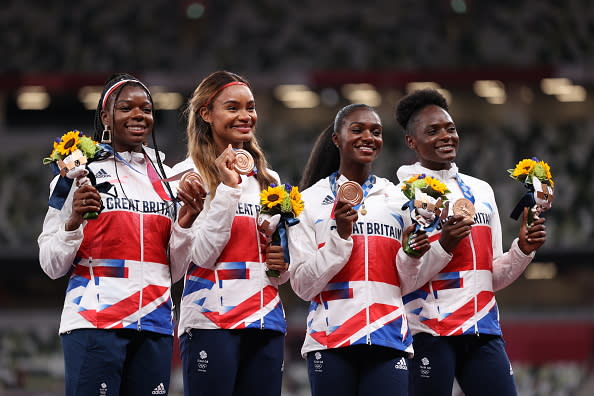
(232, 321)
(116, 326)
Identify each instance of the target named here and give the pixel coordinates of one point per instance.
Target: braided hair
(110, 94)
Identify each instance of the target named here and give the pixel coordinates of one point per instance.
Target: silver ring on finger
(84, 202)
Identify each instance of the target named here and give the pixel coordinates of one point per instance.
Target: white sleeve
(508, 266)
(408, 271)
(415, 272)
(432, 263)
(180, 248)
(58, 247)
(407, 266)
(312, 267)
(185, 165)
(212, 229)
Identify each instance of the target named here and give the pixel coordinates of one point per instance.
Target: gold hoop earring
(106, 135)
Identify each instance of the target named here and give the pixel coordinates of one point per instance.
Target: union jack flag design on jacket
(459, 295)
(226, 286)
(119, 269)
(354, 285)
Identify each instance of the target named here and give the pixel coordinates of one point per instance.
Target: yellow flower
(547, 170)
(272, 196)
(68, 143)
(412, 179)
(436, 185)
(296, 201)
(524, 167)
(55, 151)
(295, 195)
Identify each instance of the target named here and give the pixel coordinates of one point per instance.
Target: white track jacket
(118, 265)
(459, 298)
(355, 285)
(226, 286)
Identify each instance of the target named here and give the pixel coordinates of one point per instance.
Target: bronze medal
(244, 162)
(350, 192)
(187, 178)
(463, 207)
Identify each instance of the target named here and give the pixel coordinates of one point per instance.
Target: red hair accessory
(221, 88)
(116, 86)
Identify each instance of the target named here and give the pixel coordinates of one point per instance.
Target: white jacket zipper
(367, 320)
(139, 326)
(93, 279)
(476, 330)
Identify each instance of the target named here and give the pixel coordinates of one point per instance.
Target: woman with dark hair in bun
(116, 326)
(346, 259)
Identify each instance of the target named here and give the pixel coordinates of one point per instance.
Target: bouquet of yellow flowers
(279, 208)
(426, 196)
(537, 178)
(427, 185)
(71, 150)
(69, 156)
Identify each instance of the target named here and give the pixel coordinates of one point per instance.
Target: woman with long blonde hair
(232, 321)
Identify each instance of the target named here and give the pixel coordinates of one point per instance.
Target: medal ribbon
(150, 172)
(110, 150)
(156, 180)
(466, 191)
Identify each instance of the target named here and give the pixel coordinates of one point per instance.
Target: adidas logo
(102, 173)
(329, 200)
(159, 390)
(401, 365)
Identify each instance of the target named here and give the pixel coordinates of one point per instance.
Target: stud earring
(106, 135)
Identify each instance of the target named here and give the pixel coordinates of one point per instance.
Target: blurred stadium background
(519, 76)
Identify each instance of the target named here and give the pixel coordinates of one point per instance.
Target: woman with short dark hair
(454, 316)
